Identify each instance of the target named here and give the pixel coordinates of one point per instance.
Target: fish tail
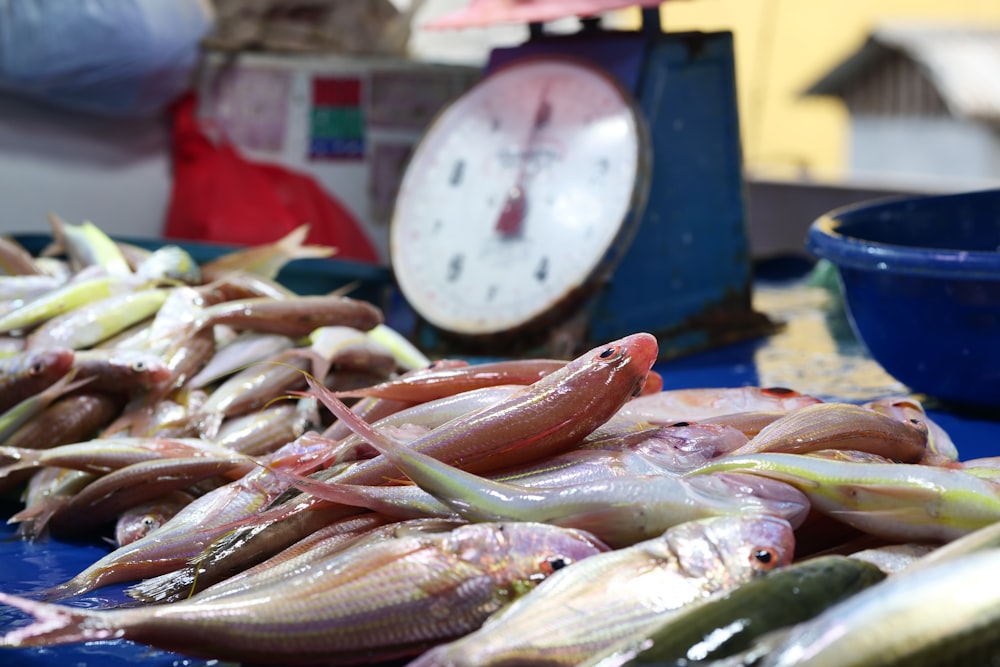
(53, 624)
(21, 458)
(293, 245)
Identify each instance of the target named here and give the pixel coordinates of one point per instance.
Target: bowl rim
(826, 241)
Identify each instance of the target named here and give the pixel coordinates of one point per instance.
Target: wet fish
(139, 520)
(87, 245)
(27, 409)
(728, 623)
(898, 501)
(245, 349)
(586, 608)
(90, 323)
(540, 419)
(940, 447)
(674, 405)
(24, 374)
(947, 614)
(296, 316)
(390, 599)
(441, 382)
(71, 418)
(606, 507)
(64, 299)
(187, 533)
(129, 372)
(841, 426)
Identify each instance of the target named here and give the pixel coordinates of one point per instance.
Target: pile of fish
(289, 482)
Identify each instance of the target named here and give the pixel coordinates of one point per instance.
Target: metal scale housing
(686, 277)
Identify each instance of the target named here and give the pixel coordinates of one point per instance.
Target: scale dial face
(519, 197)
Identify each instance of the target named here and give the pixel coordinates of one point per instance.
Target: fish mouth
(776, 497)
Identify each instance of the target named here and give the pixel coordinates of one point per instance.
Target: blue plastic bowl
(921, 282)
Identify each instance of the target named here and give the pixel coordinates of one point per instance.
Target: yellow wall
(783, 46)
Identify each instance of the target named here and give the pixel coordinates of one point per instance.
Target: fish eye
(765, 558)
(36, 369)
(554, 563)
(138, 366)
(780, 391)
(681, 424)
(611, 353)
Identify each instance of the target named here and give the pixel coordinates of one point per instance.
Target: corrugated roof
(962, 61)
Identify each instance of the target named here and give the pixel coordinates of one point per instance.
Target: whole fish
(543, 418)
(102, 455)
(841, 426)
(388, 599)
(315, 547)
(440, 382)
(104, 499)
(898, 501)
(675, 405)
(64, 299)
(251, 539)
(91, 323)
(729, 622)
(540, 419)
(606, 507)
(71, 418)
(587, 608)
(87, 245)
(947, 614)
(188, 532)
(295, 316)
(120, 371)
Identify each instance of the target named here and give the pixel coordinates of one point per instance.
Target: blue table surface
(813, 352)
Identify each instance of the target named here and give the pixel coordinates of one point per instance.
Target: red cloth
(221, 197)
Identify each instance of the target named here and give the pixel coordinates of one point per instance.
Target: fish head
(765, 495)
(518, 555)
(48, 363)
(726, 550)
(623, 365)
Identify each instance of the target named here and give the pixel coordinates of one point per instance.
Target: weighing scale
(589, 187)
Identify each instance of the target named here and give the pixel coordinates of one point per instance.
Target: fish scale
(385, 600)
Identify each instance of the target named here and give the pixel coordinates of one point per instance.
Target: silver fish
(589, 607)
(388, 599)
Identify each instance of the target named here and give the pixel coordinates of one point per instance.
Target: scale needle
(511, 218)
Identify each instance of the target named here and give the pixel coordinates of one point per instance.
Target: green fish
(903, 502)
(947, 614)
(729, 623)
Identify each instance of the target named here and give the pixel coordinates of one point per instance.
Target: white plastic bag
(112, 57)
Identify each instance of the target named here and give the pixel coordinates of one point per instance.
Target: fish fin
(34, 518)
(343, 494)
(53, 624)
